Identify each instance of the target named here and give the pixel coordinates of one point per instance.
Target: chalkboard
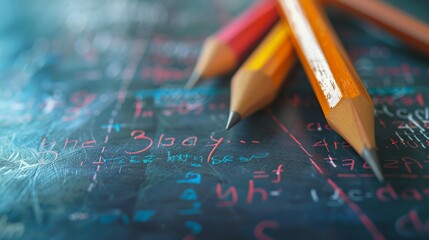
(99, 140)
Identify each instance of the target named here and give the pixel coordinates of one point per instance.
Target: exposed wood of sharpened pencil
(258, 81)
(341, 94)
(409, 29)
(222, 52)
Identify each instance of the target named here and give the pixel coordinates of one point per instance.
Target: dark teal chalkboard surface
(98, 140)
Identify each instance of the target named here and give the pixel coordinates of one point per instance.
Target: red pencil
(222, 52)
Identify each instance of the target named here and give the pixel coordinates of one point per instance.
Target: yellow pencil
(344, 100)
(257, 82)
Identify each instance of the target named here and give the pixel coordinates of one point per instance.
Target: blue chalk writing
(143, 215)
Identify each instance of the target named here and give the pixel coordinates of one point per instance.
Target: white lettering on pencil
(312, 51)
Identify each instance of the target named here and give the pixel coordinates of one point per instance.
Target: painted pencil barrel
(244, 32)
(343, 98)
(224, 51)
(409, 29)
(258, 81)
(324, 59)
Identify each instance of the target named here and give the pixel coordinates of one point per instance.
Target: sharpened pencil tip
(370, 156)
(193, 80)
(234, 118)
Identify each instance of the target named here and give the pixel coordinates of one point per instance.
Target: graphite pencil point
(234, 118)
(370, 156)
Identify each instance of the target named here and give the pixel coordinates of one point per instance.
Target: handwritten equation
(99, 139)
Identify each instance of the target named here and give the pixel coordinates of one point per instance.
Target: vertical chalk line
(127, 77)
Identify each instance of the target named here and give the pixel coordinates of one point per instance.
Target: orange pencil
(344, 100)
(406, 27)
(222, 52)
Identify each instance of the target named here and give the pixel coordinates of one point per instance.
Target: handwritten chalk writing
(120, 160)
(161, 74)
(190, 141)
(262, 174)
(403, 100)
(410, 125)
(215, 146)
(196, 209)
(317, 126)
(349, 163)
(356, 195)
(195, 228)
(68, 144)
(49, 146)
(334, 144)
(408, 162)
(189, 195)
(115, 126)
(399, 70)
(142, 159)
(168, 141)
(417, 141)
(193, 160)
(191, 178)
(183, 158)
(216, 159)
(80, 101)
(412, 225)
(389, 194)
(384, 194)
(139, 134)
(185, 108)
(259, 230)
(253, 190)
(67, 141)
(78, 216)
(143, 215)
(115, 216)
(177, 130)
(278, 172)
(141, 142)
(180, 50)
(255, 156)
(47, 156)
(331, 200)
(231, 193)
(421, 114)
(404, 164)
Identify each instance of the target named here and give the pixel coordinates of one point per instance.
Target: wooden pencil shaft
(244, 32)
(341, 94)
(409, 29)
(274, 56)
(223, 51)
(257, 82)
(326, 63)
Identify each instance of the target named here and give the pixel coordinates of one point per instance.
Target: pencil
(256, 83)
(343, 98)
(222, 52)
(405, 27)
